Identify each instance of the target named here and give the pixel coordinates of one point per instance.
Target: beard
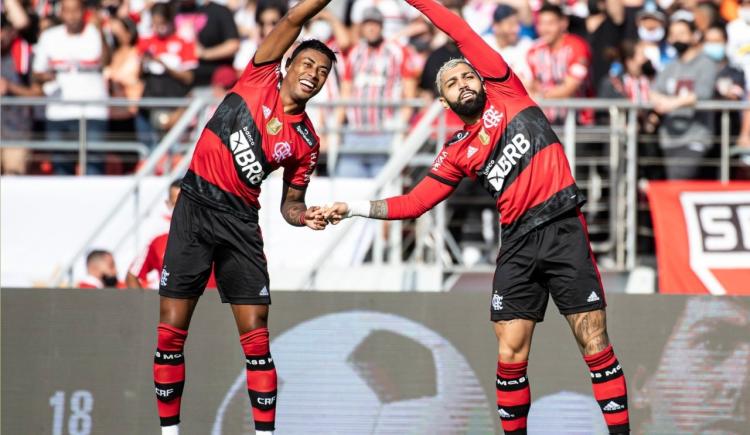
(470, 108)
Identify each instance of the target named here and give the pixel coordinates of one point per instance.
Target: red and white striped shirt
(550, 67)
(377, 74)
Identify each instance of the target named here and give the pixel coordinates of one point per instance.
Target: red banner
(702, 231)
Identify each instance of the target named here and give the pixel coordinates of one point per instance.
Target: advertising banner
(702, 231)
(80, 362)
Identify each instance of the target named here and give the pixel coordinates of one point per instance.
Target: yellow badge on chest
(274, 126)
(484, 137)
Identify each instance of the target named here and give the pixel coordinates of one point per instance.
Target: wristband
(358, 208)
(302, 219)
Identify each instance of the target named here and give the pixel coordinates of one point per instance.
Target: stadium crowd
(670, 53)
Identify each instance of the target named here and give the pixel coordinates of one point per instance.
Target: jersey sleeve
(143, 263)
(261, 75)
(580, 61)
(445, 168)
(488, 63)
(41, 56)
(188, 58)
(426, 194)
(298, 173)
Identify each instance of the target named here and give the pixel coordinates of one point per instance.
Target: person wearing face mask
(101, 271)
(685, 134)
(730, 81)
(651, 24)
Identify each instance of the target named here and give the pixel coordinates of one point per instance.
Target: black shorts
(554, 259)
(200, 238)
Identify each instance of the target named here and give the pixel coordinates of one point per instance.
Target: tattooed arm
(425, 195)
(296, 212)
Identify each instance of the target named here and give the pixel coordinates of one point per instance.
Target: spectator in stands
(706, 16)
(626, 77)
(245, 20)
(215, 35)
(267, 14)
(144, 272)
(100, 269)
(506, 40)
(738, 53)
(730, 80)
(123, 74)
(68, 63)
(684, 132)
(15, 122)
(397, 16)
(652, 31)
(168, 63)
(604, 27)
(560, 64)
(375, 69)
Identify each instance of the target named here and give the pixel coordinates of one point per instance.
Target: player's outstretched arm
(287, 30)
(296, 212)
(487, 61)
(425, 195)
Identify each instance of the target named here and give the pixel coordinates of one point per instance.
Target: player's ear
(287, 64)
(444, 102)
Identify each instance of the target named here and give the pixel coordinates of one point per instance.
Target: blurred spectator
(738, 38)
(706, 15)
(479, 15)
(445, 52)
(211, 27)
(15, 121)
(123, 74)
(145, 269)
(560, 64)
(652, 31)
(246, 22)
(168, 62)
(68, 62)
(100, 271)
(730, 81)
(604, 29)
(685, 134)
(267, 15)
(375, 69)
(506, 40)
(397, 15)
(626, 77)
(222, 81)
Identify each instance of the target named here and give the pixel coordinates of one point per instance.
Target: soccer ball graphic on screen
(363, 372)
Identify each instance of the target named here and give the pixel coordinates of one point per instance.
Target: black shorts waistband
(207, 194)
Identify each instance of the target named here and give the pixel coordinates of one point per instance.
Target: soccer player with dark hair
(259, 127)
(508, 146)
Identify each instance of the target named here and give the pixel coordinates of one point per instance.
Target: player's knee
(513, 352)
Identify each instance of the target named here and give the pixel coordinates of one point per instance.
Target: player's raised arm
(287, 30)
(425, 195)
(488, 63)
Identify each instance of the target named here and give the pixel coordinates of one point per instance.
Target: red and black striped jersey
(512, 150)
(248, 137)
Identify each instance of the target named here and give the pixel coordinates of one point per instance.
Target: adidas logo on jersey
(264, 291)
(244, 156)
(504, 414)
(613, 406)
(471, 151)
(593, 297)
(266, 111)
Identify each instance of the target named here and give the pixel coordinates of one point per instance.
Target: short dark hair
(96, 254)
(555, 9)
(265, 5)
(163, 10)
(313, 44)
(130, 26)
(691, 24)
(717, 25)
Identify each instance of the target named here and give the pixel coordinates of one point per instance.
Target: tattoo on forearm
(378, 209)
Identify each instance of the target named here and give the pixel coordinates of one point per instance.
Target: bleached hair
(450, 65)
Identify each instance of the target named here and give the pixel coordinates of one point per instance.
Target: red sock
(169, 372)
(610, 389)
(513, 396)
(261, 378)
